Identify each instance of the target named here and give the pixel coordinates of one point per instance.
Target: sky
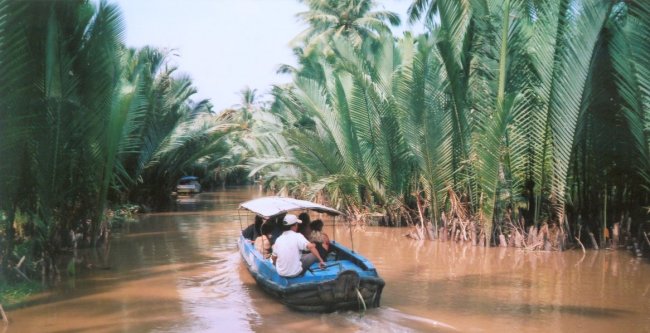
(225, 45)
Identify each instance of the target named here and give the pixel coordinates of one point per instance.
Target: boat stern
(348, 291)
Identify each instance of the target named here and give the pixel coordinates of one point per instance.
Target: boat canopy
(268, 207)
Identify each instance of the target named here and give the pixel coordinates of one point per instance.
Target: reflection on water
(180, 271)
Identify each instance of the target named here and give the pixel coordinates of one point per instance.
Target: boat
(188, 185)
(348, 282)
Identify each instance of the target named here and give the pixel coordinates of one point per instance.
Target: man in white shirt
(287, 250)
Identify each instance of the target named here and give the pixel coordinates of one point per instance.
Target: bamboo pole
(17, 269)
(616, 234)
(582, 246)
(584, 253)
(351, 238)
(603, 235)
(22, 274)
(5, 320)
(593, 239)
(637, 249)
(20, 262)
(567, 226)
(425, 234)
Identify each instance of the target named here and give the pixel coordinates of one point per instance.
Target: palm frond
(629, 56)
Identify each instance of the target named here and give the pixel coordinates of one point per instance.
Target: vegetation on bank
(518, 122)
(513, 122)
(86, 125)
(17, 292)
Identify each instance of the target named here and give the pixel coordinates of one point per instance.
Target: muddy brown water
(180, 272)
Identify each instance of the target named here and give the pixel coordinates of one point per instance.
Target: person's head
(304, 217)
(317, 225)
(258, 221)
(267, 228)
(304, 226)
(277, 220)
(290, 222)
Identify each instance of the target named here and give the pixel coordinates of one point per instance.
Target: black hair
(267, 228)
(304, 218)
(317, 225)
(258, 221)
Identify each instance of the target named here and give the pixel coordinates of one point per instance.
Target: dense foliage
(505, 115)
(87, 125)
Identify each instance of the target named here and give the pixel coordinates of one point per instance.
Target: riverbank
(13, 294)
(24, 278)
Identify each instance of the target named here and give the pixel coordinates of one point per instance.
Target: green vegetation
(16, 293)
(86, 126)
(513, 121)
(505, 115)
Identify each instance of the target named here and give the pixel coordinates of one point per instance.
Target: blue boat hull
(348, 282)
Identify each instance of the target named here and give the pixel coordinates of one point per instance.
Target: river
(180, 272)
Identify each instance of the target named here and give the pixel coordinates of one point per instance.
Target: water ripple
(219, 299)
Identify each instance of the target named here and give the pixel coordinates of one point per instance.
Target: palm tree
(616, 144)
(350, 19)
(631, 66)
(426, 124)
(520, 112)
(14, 128)
(503, 101)
(339, 130)
(61, 79)
(566, 45)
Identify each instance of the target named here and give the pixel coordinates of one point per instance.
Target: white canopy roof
(272, 206)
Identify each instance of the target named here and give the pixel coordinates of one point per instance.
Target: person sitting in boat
(287, 256)
(319, 238)
(254, 230)
(304, 228)
(276, 223)
(263, 243)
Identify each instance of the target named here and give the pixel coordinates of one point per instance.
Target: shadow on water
(151, 284)
(100, 285)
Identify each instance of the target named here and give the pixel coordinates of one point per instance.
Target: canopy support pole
(351, 238)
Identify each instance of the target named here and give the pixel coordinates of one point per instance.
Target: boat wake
(218, 298)
(391, 320)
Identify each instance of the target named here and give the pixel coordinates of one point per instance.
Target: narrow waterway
(180, 272)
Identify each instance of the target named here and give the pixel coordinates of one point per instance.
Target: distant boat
(349, 281)
(188, 185)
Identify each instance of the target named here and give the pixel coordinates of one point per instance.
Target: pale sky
(225, 45)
